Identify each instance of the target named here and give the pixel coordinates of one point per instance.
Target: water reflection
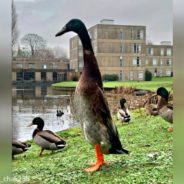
(32, 101)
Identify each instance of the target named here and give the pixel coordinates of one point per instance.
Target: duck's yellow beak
(30, 125)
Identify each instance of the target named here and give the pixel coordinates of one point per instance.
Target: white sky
(46, 17)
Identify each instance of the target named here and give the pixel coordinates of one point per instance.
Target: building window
(155, 72)
(138, 62)
(31, 66)
(134, 62)
(131, 75)
(154, 62)
(161, 62)
(19, 76)
(19, 65)
(121, 35)
(150, 51)
(146, 62)
(168, 51)
(121, 49)
(162, 51)
(120, 61)
(29, 76)
(136, 48)
(44, 66)
(140, 34)
(121, 75)
(169, 62)
(43, 76)
(168, 72)
(140, 75)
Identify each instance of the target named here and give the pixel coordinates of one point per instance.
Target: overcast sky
(46, 17)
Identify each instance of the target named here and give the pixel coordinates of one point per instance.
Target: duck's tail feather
(117, 151)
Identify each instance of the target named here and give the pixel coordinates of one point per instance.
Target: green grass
(145, 134)
(149, 85)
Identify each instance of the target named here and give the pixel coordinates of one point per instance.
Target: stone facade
(122, 50)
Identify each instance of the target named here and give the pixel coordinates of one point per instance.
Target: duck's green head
(78, 27)
(122, 102)
(75, 25)
(39, 122)
(163, 93)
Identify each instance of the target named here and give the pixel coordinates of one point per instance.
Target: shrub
(75, 78)
(148, 75)
(110, 77)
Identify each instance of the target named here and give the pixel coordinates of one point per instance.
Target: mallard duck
(123, 112)
(90, 103)
(165, 111)
(59, 113)
(19, 147)
(150, 107)
(46, 139)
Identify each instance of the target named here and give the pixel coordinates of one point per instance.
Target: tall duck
(165, 111)
(90, 104)
(46, 139)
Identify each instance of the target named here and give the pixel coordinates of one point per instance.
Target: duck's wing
(102, 113)
(18, 144)
(122, 113)
(50, 136)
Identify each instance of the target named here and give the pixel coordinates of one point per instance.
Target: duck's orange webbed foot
(100, 161)
(94, 168)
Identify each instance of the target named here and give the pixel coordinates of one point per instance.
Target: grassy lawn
(144, 135)
(149, 85)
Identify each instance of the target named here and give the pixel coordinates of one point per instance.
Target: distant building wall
(36, 70)
(122, 50)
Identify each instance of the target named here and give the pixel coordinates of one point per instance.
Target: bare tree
(59, 52)
(34, 42)
(44, 54)
(14, 25)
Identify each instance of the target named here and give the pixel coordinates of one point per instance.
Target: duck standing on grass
(165, 111)
(19, 147)
(90, 104)
(123, 113)
(46, 139)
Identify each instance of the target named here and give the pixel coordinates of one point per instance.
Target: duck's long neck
(85, 39)
(91, 69)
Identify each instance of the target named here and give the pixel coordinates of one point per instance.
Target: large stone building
(122, 50)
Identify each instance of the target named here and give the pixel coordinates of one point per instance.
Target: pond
(29, 101)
